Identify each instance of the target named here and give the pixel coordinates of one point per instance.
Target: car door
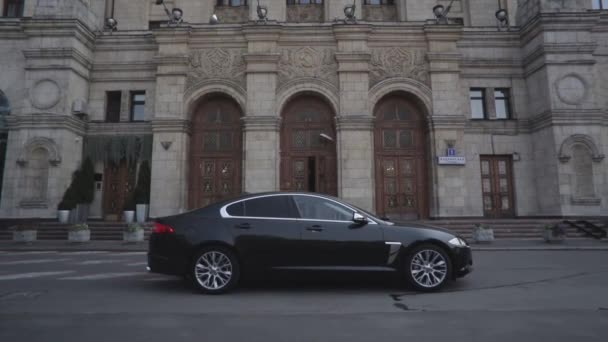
(331, 238)
(265, 230)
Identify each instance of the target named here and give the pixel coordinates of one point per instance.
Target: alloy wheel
(428, 268)
(213, 270)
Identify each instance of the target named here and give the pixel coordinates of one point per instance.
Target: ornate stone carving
(571, 89)
(398, 62)
(224, 64)
(39, 142)
(45, 94)
(308, 62)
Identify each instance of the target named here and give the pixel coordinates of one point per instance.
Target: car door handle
(315, 228)
(243, 226)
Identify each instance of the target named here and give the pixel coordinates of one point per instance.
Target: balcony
(232, 14)
(379, 13)
(305, 13)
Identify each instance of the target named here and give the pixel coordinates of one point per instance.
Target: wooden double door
(497, 186)
(401, 160)
(215, 152)
(119, 184)
(308, 148)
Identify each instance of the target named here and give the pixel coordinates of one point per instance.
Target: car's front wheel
(428, 268)
(215, 270)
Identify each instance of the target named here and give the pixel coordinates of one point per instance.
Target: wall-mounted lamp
(326, 137)
(175, 15)
(516, 156)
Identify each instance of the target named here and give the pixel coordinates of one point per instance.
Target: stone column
(354, 120)
(450, 194)
(170, 126)
(261, 122)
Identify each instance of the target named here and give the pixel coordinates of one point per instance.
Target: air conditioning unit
(79, 108)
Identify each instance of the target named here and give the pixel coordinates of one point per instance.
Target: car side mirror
(358, 218)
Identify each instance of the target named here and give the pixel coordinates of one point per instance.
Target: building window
(379, 2)
(304, 2)
(138, 104)
(113, 99)
(502, 103)
(478, 103)
(232, 3)
(600, 4)
(13, 8)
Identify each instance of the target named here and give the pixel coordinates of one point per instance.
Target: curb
(522, 249)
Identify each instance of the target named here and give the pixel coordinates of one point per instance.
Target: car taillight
(160, 228)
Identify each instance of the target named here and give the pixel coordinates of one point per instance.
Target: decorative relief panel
(398, 62)
(219, 63)
(45, 94)
(308, 62)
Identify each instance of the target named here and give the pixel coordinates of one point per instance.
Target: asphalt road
(101, 296)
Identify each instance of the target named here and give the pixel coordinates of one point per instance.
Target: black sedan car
(300, 231)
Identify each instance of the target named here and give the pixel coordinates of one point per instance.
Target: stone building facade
(396, 113)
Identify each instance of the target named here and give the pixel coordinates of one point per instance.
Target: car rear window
(271, 206)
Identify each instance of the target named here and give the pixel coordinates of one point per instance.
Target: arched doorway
(215, 151)
(308, 149)
(401, 158)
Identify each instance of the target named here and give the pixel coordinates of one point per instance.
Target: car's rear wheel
(428, 268)
(215, 270)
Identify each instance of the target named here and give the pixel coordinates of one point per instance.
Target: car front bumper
(462, 261)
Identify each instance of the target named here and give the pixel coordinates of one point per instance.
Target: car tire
(215, 270)
(427, 268)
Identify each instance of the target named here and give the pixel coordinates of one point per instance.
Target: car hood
(422, 226)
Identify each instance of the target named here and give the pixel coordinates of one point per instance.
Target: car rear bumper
(164, 265)
(463, 261)
(165, 255)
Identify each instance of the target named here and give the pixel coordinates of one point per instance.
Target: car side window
(316, 208)
(271, 206)
(236, 209)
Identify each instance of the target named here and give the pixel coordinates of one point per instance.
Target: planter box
(549, 238)
(24, 236)
(142, 212)
(136, 236)
(63, 216)
(128, 216)
(79, 235)
(483, 235)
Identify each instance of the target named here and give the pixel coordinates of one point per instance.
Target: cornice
(122, 128)
(355, 122)
(560, 21)
(440, 122)
(261, 123)
(11, 28)
(54, 53)
(46, 121)
(264, 33)
(447, 33)
(172, 35)
(162, 125)
(47, 27)
(352, 32)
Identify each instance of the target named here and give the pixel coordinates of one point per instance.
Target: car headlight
(457, 242)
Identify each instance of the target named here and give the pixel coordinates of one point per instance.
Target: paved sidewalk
(497, 245)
